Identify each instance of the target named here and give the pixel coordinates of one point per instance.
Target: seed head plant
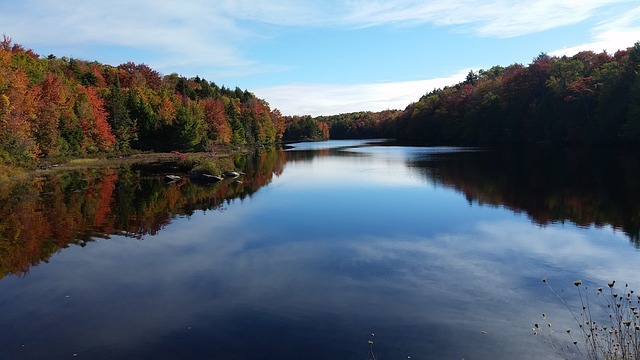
(607, 327)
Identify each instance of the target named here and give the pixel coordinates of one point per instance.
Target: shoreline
(16, 174)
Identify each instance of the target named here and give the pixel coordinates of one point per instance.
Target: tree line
(53, 106)
(360, 125)
(586, 98)
(63, 106)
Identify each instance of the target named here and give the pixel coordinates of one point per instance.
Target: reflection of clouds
(337, 172)
(471, 280)
(486, 272)
(408, 152)
(330, 144)
(376, 165)
(598, 255)
(446, 282)
(208, 266)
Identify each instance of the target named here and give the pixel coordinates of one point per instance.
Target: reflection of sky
(307, 269)
(407, 152)
(333, 144)
(351, 172)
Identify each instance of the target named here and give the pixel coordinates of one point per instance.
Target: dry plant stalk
(608, 328)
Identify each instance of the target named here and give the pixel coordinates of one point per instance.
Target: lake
(438, 251)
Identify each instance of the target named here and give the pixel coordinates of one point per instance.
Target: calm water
(438, 251)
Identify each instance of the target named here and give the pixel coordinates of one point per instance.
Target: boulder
(230, 174)
(204, 178)
(171, 178)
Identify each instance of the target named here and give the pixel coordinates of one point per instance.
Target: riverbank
(12, 173)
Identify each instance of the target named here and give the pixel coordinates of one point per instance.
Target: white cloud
(611, 35)
(330, 99)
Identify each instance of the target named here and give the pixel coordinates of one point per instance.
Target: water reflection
(54, 211)
(588, 187)
(337, 246)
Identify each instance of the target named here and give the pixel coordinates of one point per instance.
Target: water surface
(437, 251)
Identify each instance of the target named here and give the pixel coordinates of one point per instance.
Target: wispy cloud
(500, 18)
(167, 30)
(212, 30)
(612, 34)
(329, 99)
(213, 38)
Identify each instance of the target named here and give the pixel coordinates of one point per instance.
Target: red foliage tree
(219, 128)
(93, 120)
(51, 105)
(17, 110)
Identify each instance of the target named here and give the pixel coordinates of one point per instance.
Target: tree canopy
(63, 106)
(589, 98)
(586, 98)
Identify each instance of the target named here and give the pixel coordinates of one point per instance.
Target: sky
(321, 57)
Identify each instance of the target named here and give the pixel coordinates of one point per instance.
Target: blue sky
(321, 57)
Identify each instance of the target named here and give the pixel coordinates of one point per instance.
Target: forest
(588, 98)
(53, 106)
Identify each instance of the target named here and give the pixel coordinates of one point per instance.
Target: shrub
(205, 164)
(607, 327)
(207, 167)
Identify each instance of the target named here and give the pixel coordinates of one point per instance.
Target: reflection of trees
(42, 216)
(586, 187)
(310, 154)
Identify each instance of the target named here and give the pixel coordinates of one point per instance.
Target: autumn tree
(92, 118)
(53, 102)
(218, 126)
(18, 108)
